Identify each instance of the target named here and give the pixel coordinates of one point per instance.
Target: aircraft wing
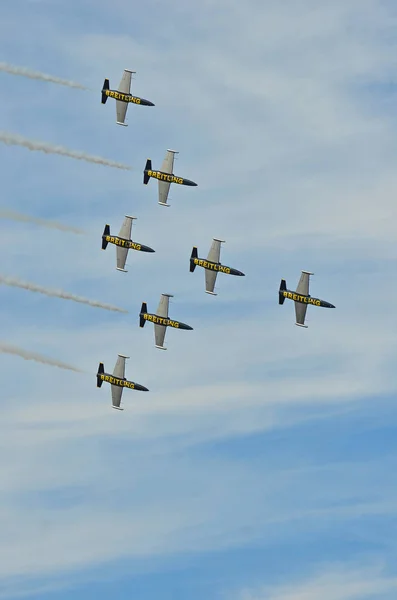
(303, 285)
(119, 369)
(121, 111)
(159, 335)
(122, 253)
(166, 167)
(210, 279)
(164, 188)
(125, 83)
(300, 313)
(125, 88)
(162, 309)
(117, 392)
(214, 254)
(302, 289)
(168, 162)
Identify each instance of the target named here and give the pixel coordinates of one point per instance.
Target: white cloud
(337, 582)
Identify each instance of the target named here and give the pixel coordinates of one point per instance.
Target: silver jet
(117, 381)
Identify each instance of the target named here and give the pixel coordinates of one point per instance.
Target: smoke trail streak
(8, 349)
(13, 70)
(13, 216)
(12, 139)
(32, 287)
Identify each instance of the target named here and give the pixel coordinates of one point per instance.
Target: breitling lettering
(210, 265)
(165, 177)
(123, 97)
(123, 243)
(302, 299)
(161, 321)
(117, 381)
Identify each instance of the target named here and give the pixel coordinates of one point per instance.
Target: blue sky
(261, 464)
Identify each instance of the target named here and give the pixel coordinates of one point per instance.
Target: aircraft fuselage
(302, 299)
(123, 243)
(123, 383)
(168, 177)
(212, 266)
(129, 98)
(157, 320)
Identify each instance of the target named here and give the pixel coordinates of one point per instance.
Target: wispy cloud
(335, 582)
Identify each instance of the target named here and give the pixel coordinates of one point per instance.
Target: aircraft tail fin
(192, 257)
(101, 369)
(148, 167)
(143, 312)
(283, 287)
(106, 232)
(105, 87)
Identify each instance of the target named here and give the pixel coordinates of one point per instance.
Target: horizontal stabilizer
(143, 312)
(123, 356)
(173, 151)
(211, 293)
(283, 287)
(105, 87)
(148, 167)
(193, 255)
(301, 325)
(161, 347)
(218, 240)
(124, 125)
(106, 231)
(308, 272)
(117, 407)
(101, 369)
(164, 204)
(122, 270)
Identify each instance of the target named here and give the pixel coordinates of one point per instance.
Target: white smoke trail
(13, 70)
(8, 349)
(12, 139)
(13, 216)
(32, 287)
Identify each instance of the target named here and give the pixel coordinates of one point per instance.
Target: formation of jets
(211, 265)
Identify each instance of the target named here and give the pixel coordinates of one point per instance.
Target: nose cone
(141, 388)
(240, 274)
(188, 182)
(147, 249)
(331, 306)
(146, 102)
(187, 327)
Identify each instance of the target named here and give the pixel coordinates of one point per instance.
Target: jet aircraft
(160, 320)
(123, 242)
(165, 176)
(122, 96)
(117, 381)
(301, 298)
(211, 265)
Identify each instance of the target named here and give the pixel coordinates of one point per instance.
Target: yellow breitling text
(161, 321)
(165, 177)
(211, 266)
(117, 381)
(123, 243)
(303, 299)
(123, 97)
